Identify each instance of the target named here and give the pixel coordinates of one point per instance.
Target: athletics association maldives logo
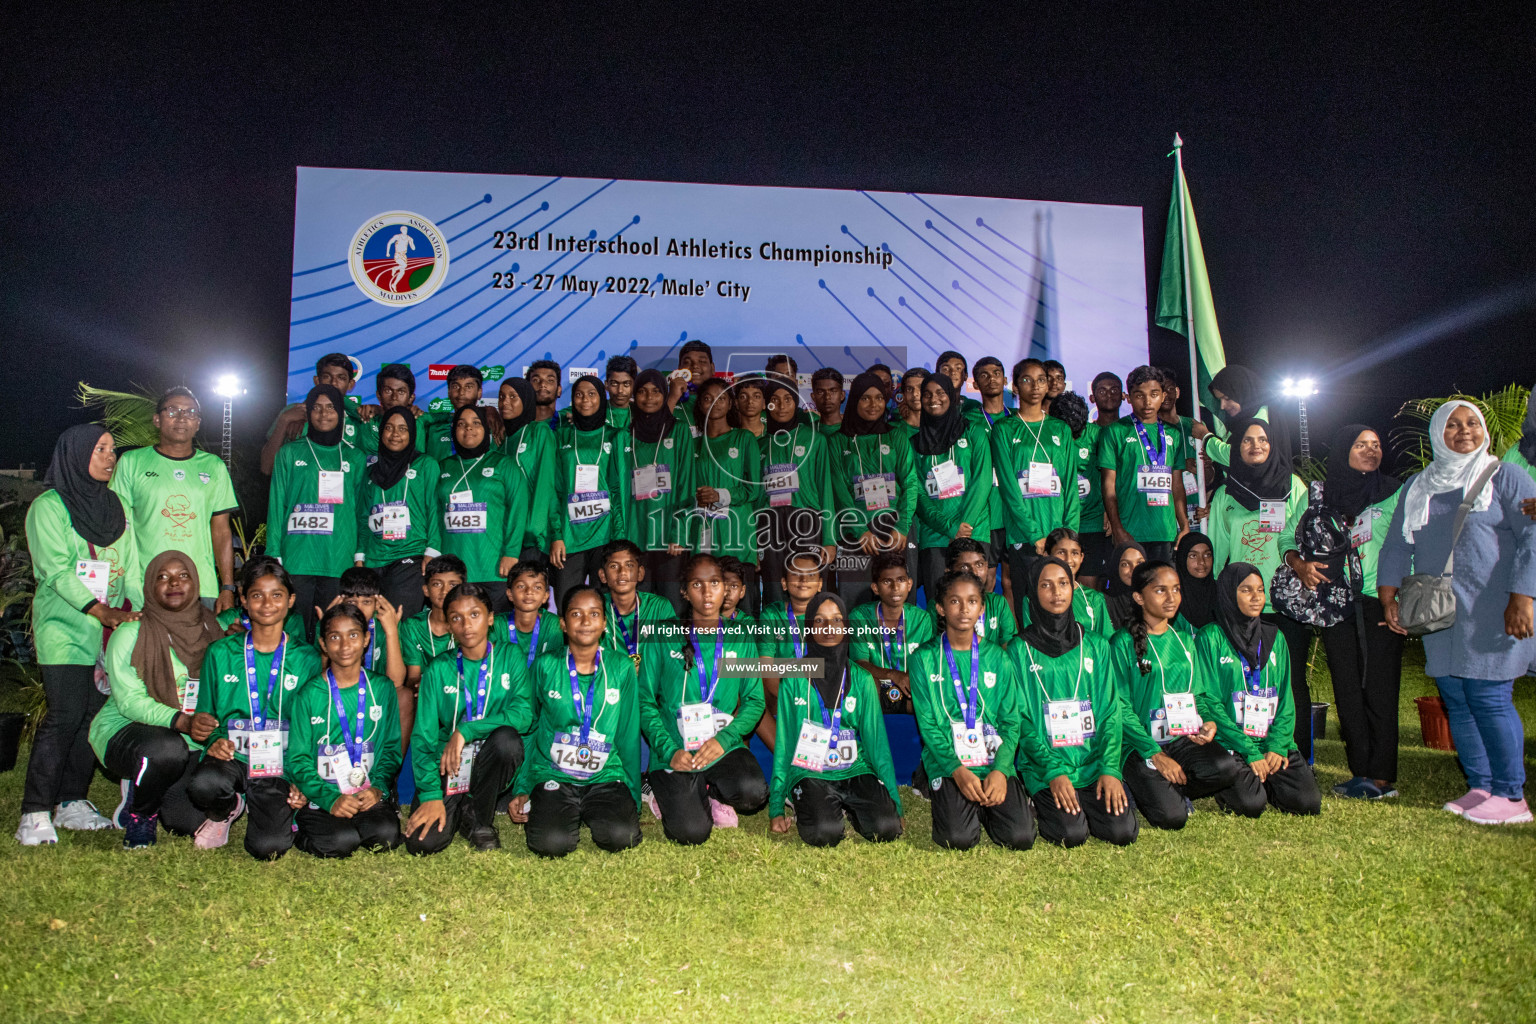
(398, 258)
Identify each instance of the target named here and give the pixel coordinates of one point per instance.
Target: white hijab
(1450, 471)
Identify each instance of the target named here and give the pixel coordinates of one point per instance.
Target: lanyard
(1161, 672)
(533, 641)
(405, 487)
(474, 707)
(967, 707)
(879, 459)
(1035, 434)
(515, 446)
(1159, 458)
(368, 651)
(467, 470)
(258, 700)
(432, 639)
(885, 638)
(585, 703)
(706, 696)
(794, 631)
(352, 738)
(1253, 676)
(656, 455)
(834, 719)
(576, 446)
(340, 458)
(1079, 599)
(1040, 682)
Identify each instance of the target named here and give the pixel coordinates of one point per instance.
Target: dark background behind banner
(1356, 175)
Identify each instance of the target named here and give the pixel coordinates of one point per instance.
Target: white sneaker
(79, 815)
(36, 829)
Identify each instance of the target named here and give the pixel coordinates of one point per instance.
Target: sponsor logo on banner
(439, 371)
(398, 258)
(493, 372)
(575, 373)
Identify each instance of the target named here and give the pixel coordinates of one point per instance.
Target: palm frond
(1310, 470)
(128, 415)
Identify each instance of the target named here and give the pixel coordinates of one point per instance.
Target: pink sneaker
(1462, 805)
(724, 815)
(1500, 810)
(649, 799)
(211, 835)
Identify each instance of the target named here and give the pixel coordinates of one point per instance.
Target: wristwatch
(229, 587)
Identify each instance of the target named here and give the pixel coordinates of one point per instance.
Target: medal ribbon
(474, 707)
(258, 700)
(1159, 459)
(707, 696)
(533, 642)
(631, 639)
(1252, 677)
(834, 720)
(585, 703)
(885, 638)
(352, 739)
(967, 707)
(794, 631)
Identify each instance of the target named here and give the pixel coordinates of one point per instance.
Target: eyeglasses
(180, 412)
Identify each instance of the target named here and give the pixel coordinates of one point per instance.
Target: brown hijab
(188, 632)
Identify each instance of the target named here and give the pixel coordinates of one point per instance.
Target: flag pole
(1189, 312)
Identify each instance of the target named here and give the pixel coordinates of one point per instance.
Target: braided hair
(1141, 577)
(685, 643)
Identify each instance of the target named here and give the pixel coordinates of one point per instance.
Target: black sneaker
(140, 830)
(484, 838)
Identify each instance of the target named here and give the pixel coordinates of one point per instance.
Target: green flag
(1184, 290)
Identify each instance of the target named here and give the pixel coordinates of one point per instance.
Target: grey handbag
(1425, 602)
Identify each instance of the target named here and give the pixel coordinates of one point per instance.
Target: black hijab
(485, 442)
(1270, 480)
(1249, 637)
(937, 434)
(599, 419)
(530, 405)
(651, 427)
(1122, 609)
(391, 466)
(1241, 385)
(771, 388)
(1198, 605)
(853, 425)
(1347, 490)
(95, 512)
(325, 438)
(835, 658)
(1052, 634)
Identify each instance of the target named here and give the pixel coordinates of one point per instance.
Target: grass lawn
(1392, 911)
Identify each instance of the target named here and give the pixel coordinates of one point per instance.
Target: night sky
(1356, 178)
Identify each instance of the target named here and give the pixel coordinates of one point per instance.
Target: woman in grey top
(1475, 662)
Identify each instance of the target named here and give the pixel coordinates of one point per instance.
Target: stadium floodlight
(228, 388)
(1301, 389)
